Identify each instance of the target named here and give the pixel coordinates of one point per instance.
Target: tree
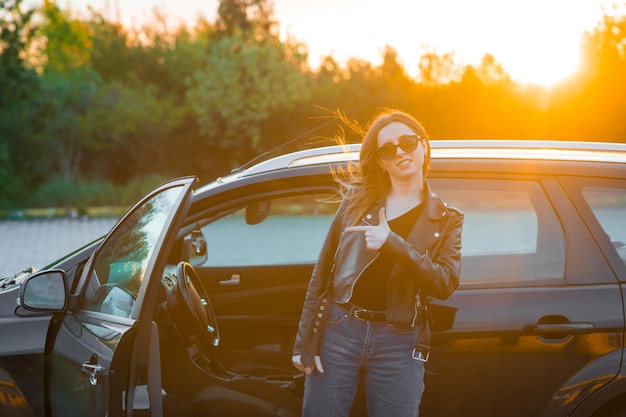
(19, 86)
(591, 105)
(69, 101)
(490, 71)
(66, 41)
(69, 90)
(438, 69)
(248, 16)
(133, 129)
(248, 76)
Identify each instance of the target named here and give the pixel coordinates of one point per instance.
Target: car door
(260, 252)
(104, 344)
(536, 323)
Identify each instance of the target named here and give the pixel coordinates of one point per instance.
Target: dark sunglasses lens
(409, 144)
(387, 151)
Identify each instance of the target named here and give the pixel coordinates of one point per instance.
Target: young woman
(393, 243)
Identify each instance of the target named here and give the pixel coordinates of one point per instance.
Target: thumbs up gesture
(375, 236)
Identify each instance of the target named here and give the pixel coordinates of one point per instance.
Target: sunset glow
(536, 41)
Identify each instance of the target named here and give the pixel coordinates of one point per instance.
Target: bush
(138, 187)
(80, 195)
(55, 193)
(10, 184)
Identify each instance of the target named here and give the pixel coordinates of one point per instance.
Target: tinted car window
(609, 206)
(120, 262)
(292, 232)
(511, 233)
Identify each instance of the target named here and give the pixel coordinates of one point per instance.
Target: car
(190, 304)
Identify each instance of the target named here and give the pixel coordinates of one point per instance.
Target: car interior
(195, 379)
(227, 322)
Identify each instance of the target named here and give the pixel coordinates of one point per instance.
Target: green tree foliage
(134, 127)
(248, 16)
(69, 90)
(67, 44)
(247, 77)
(148, 55)
(85, 103)
(19, 87)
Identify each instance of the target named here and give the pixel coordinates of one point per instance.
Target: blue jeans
(394, 381)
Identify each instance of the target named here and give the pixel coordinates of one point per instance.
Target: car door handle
(93, 370)
(558, 329)
(234, 279)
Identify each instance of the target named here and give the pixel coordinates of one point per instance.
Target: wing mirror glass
(45, 291)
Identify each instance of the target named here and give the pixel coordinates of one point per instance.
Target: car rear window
(609, 207)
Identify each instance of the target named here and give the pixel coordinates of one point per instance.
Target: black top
(370, 290)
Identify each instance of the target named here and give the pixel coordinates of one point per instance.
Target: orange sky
(535, 40)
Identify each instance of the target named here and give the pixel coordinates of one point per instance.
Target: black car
(190, 305)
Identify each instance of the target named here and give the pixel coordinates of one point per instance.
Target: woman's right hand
(297, 362)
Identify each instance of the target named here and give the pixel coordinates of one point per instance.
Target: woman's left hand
(375, 236)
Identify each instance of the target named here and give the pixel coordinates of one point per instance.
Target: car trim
(441, 149)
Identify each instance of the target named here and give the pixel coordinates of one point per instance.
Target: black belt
(363, 313)
(369, 315)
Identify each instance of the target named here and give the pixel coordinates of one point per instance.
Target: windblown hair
(365, 184)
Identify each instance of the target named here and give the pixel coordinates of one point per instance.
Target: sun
(546, 60)
(545, 48)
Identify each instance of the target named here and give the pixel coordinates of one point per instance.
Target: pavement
(37, 243)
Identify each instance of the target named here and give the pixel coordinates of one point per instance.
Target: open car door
(103, 355)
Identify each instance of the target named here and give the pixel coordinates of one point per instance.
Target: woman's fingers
(297, 363)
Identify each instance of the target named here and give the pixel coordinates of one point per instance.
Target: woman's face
(403, 165)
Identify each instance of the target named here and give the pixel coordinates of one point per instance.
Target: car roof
(464, 149)
(525, 150)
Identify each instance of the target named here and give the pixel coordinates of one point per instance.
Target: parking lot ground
(37, 243)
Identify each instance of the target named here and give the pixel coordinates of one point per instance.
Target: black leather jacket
(429, 261)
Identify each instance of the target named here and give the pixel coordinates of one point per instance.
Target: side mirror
(257, 212)
(44, 291)
(196, 252)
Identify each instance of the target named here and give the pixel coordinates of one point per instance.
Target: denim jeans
(394, 381)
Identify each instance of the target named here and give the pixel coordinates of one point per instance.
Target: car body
(190, 305)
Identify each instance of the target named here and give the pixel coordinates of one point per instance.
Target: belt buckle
(418, 355)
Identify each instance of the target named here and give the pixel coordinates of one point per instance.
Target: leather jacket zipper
(418, 302)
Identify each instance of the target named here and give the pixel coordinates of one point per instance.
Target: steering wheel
(189, 299)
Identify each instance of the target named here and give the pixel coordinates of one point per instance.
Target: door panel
(93, 353)
(258, 317)
(493, 362)
(82, 365)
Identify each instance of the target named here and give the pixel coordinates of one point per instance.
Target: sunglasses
(388, 151)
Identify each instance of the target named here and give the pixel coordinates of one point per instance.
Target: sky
(536, 41)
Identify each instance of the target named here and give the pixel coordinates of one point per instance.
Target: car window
(120, 263)
(511, 234)
(287, 230)
(609, 206)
